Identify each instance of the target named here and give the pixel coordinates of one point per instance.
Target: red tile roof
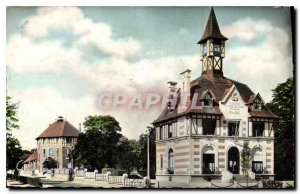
(60, 128)
(219, 86)
(32, 157)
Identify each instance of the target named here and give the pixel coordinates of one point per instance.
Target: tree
(11, 115)
(13, 147)
(97, 146)
(246, 157)
(125, 157)
(50, 163)
(13, 152)
(282, 105)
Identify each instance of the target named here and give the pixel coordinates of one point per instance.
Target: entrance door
(233, 160)
(208, 164)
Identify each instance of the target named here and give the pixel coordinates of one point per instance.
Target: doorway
(233, 160)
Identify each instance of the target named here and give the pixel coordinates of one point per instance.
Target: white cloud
(90, 33)
(247, 29)
(25, 56)
(262, 65)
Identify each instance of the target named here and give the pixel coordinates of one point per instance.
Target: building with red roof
(56, 142)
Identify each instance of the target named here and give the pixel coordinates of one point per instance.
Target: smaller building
(56, 142)
(31, 162)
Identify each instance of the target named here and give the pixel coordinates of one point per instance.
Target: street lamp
(148, 154)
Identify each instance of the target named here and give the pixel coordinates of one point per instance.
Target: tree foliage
(97, 146)
(11, 115)
(246, 157)
(13, 148)
(102, 147)
(50, 163)
(13, 152)
(283, 106)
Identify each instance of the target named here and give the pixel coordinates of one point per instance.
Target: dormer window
(207, 99)
(257, 106)
(257, 103)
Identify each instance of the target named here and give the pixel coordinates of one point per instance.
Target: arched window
(257, 161)
(171, 161)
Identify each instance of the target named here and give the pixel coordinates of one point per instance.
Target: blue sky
(62, 58)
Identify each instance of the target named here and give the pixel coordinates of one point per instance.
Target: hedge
(26, 180)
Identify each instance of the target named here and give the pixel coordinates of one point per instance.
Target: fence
(235, 185)
(134, 183)
(79, 173)
(101, 177)
(107, 178)
(115, 179)
(89, 175)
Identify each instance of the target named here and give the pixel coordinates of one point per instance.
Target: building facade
(207, 121)
(56, 142)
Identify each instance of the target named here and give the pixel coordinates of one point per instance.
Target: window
(44, 152)
(205, 49)
(217, 49)
(171, 162)
(258, 129)
(170, 131)
(51, 152)
(257, 104)
(207, 100)
(57, 152)
(208, 163)
(257, 167)
(161, 161)
(209, 126)
(233, 128)
(161, 133)
(69, 140)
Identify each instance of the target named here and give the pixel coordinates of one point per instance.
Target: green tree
(283, 106)
(50, 163)
(246, 157)
(11, 115)
(13, 152)
(97, 146)
(125, 156)
(13, 147)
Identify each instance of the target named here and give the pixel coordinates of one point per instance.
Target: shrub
(31, 180)
(105, 170)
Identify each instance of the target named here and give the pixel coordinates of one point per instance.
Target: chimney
(79, 127)
(186, 82)
(172, 87)
(185, 90)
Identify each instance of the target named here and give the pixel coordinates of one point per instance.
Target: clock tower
(212, 46)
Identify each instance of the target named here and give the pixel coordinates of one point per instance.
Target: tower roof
(212, 29)
(60, 128)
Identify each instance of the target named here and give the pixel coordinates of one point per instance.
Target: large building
(221, 115)
(56, 142)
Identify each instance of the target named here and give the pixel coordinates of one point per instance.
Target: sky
(60, 59)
